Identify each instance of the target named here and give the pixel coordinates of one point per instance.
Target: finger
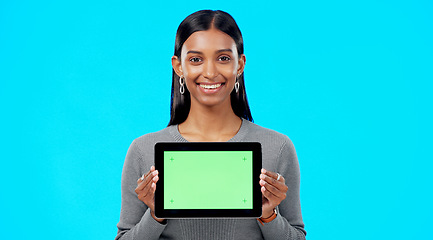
(143, 177)
(144, 183)
(274, 182)
(145, 191)
(271, 197)
(147, 179)
(155, 179)
(271, 174)
(268, 195)
(281, 178)
(146, 196)
(152, 168)
(277, 193)
(150, 188)
(273, 189)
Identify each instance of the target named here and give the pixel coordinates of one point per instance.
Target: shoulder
(278, 151)
(147, 141)
(266, 135)
(140, 154)
(161, 134)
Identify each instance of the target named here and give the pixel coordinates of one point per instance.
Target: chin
(212, 102)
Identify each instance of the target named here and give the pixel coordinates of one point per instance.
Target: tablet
(208, 180)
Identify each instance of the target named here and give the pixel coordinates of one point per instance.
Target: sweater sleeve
(288, 224)
(136, 221)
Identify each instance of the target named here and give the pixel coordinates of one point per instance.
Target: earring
(182, 85)
(237, 84)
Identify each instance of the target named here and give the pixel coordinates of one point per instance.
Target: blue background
(347, 81)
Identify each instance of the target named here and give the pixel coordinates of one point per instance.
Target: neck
(210, 124)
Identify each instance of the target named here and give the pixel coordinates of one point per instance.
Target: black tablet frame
(256, 149)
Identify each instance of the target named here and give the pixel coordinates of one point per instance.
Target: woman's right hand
(146, 186)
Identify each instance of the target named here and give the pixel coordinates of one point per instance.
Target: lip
(210, 87)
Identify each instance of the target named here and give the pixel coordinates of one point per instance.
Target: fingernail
(262, 176)
(155, 178)
(154, 173)
(263, 170)
(262, 182)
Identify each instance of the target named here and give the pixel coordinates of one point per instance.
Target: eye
(195, 59)
(224, 58)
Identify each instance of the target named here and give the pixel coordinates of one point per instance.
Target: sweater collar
(174, 131)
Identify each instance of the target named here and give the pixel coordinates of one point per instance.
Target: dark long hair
(201, 21)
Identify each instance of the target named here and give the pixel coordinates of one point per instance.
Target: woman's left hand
(274, 191)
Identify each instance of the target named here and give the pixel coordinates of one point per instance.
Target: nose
(210, 70)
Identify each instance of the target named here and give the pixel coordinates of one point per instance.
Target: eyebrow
(221, 50)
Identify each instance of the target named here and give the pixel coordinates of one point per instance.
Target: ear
(177, 66)
(241, 64)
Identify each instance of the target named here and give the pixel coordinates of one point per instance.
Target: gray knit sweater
(278, 156)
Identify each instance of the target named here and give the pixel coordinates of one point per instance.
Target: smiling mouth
(211, 86)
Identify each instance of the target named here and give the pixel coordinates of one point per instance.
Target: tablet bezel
(254, 147)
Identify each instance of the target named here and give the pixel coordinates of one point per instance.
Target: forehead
(211, 40)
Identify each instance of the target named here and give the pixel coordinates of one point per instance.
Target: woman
(209, 104)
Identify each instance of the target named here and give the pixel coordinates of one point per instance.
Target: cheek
(191, 71)
(228, 70)
(191, 74)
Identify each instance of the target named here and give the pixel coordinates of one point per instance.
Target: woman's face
(209, 63)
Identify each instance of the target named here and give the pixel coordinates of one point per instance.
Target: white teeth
(206, 86)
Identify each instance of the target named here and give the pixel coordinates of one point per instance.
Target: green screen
(208, 180)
